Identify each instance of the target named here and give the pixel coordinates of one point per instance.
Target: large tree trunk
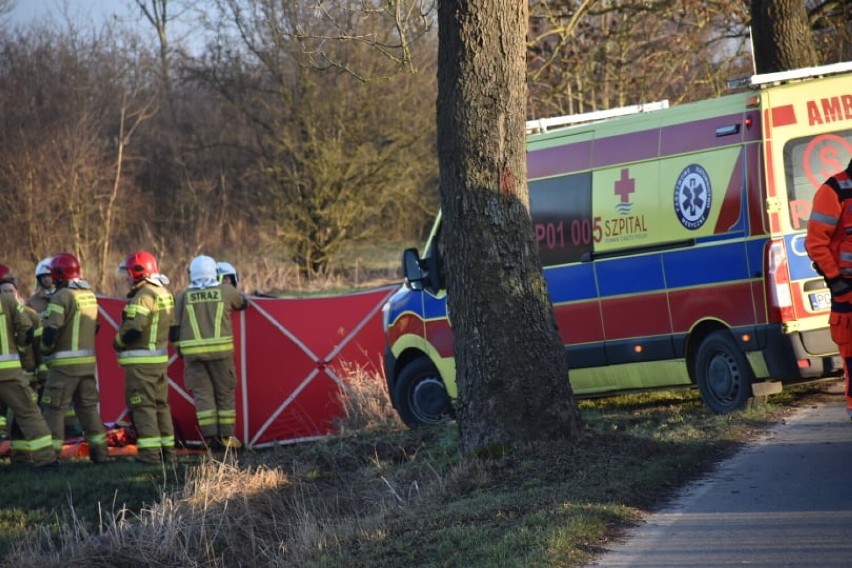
(512, 369)
(782, 37)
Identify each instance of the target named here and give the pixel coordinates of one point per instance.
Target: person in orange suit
(829, 245)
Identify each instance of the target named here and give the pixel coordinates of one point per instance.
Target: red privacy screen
(291, 356)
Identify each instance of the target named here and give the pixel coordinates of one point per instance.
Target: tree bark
(512, 369)
(782, 36)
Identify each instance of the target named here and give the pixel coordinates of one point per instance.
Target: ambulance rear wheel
(723, 373)
(420, 396)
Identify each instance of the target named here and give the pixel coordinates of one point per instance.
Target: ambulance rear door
(808, 137)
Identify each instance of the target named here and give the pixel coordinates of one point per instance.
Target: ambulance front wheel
(723, 373)
(420, 396)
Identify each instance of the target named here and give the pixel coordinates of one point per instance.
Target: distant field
(364, 265)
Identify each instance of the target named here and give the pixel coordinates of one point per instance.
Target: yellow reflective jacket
(149, 313)
(73, 313)
(15, 336)
(204, 317)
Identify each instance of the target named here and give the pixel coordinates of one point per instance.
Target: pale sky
(83, 13)
(92, 15)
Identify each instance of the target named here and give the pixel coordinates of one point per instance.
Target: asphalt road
(785, 500)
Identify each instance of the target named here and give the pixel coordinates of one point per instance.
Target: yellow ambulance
(671, 239)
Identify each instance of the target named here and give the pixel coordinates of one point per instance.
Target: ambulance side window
(561, 209)
(433, 263)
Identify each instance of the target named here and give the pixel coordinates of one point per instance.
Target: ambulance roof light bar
(802, 73)
(545, 124)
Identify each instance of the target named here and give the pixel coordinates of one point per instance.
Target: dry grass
(380, 495)
(365, 403)
(229, 513)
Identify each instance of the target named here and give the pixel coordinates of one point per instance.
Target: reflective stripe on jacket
(64, 358)
(10, 361)
(143, 356)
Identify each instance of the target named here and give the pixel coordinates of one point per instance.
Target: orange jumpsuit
(829, 245)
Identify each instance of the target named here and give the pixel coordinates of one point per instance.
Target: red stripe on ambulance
(732, 202)
(636, 315)
(406, 324)
(589, 313)
(755, 197)
(731, 303)
(440, 335)
(784, 115)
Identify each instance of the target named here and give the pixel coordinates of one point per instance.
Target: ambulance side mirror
(422, 274)
(411, 269)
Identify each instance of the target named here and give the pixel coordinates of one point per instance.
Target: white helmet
(227, 269)
(202, 271)
(43, 267)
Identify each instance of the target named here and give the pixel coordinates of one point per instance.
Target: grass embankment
(378, 494)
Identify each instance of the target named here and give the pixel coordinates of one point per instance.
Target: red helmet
(64, 267)
(140, 265)
(6, 275)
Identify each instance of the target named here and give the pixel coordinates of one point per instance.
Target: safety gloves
(838, 286)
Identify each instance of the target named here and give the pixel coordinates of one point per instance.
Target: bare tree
(62, 171)
(340, 157)
(130, 118)
(513, 385)
(156, 12)
(588, 55)
(388, 29)
(831, 22)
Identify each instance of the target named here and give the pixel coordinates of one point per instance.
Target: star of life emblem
(693, 197)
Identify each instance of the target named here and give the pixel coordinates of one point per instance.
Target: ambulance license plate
(820, 300)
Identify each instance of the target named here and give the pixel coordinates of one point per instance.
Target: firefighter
(68, 346)
(16, 334)
(227, 273)
(204, 338)
(44, 289)
(29, 361)
(829, 245)
(142, 346)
